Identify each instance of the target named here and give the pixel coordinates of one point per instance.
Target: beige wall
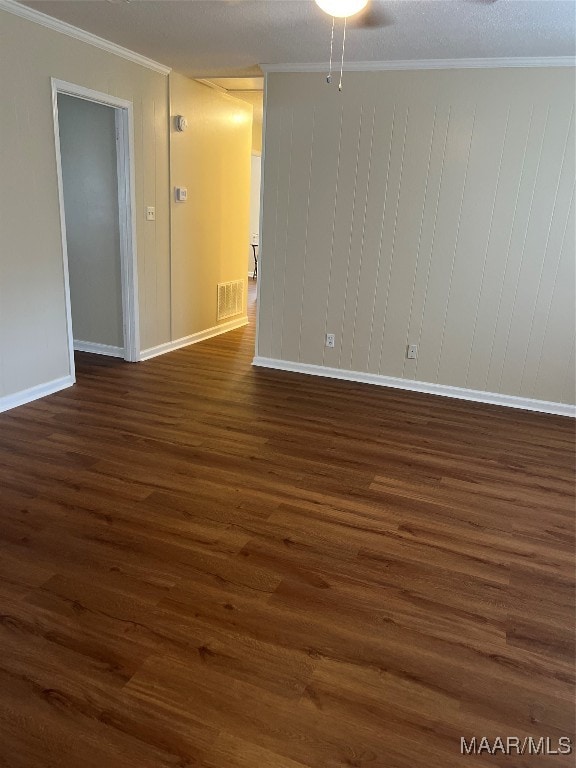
(256, 99)
(423, 207)
(33, 341)
(90, 181)
(210, 231)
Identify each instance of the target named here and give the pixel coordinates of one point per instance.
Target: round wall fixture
(181, 123)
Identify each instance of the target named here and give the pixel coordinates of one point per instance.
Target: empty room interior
(287, 383)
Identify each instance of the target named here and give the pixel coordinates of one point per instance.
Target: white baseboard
(98, 349)
(185, 341)
(477, 396)
(34, 393)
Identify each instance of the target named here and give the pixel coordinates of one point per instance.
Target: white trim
(34, 393)
(98, 349)
(261, 212)
(127, 222)
(185, 341)
(80, 34)
(212, 85)
(380, 66)
(124, 120)
(81, 92)
(172, 126)
(64, 242)
(477, 396)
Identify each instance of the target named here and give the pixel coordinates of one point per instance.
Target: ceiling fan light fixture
(341, 8)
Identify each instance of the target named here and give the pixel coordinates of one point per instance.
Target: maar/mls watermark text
(515, 745)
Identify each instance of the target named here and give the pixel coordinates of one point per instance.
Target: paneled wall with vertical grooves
(426, 207)
(33, 334)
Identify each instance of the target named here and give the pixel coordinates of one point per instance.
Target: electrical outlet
(412, 351)
(150, 213)
(330, 340)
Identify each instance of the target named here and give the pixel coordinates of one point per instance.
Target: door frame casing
(124, 122)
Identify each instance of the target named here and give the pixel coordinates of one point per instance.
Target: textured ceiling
(203, 38)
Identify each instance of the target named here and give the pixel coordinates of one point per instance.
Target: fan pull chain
(342, 60)
(329, 78)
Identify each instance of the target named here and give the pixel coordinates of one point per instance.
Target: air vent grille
(230, 299)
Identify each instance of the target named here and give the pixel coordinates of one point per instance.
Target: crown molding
(382, 66)
(215, 87)
(11, 6)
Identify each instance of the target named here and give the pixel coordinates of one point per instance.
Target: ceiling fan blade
(372, 17)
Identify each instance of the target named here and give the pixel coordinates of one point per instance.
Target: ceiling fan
(363, 14)
(367, 14)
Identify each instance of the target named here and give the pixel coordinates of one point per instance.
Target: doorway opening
(255, 194)
(94, 156)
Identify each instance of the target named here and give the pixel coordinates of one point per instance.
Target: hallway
(205, 564)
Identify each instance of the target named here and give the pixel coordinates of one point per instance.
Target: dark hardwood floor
(204, 564)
